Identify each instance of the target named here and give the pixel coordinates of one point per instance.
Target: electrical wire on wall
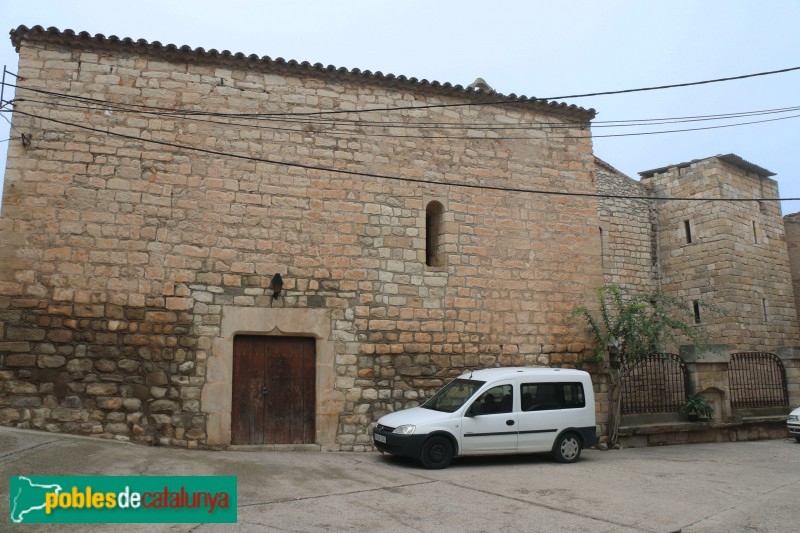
(351, 127)
(389, 177)
(335, 128)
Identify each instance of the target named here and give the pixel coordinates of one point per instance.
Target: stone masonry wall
(629, 257)
(791, 224)
(737, 259)
(119, 257)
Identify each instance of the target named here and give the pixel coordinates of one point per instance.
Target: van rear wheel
(437, 452)
(567, 448)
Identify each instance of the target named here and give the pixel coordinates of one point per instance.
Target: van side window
(573, 395)
(550, 396)
(495, 400)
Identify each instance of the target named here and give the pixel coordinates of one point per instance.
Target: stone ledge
(729, 430)
(744, 420)
(670, 427)
(652, 429)
(274, 448)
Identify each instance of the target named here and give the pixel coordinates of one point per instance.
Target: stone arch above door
(216, 398)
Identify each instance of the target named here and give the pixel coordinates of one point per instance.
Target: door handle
(263, 391)
(509, 422)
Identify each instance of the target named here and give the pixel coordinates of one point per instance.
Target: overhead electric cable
(332, 170)
(682, 130)
(323, 120)
(429, 125)
(512, 99)
(303, 119)
(350, 133)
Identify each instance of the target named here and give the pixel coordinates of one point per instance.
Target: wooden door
(274, 380)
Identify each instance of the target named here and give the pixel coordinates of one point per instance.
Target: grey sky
(531, 48)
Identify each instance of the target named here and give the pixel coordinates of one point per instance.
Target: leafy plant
(697, 404)
(628, 327)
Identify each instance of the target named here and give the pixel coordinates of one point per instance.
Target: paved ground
(728, 487)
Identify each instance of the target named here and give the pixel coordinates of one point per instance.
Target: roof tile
(69, 37)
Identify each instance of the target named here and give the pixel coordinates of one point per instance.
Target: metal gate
(656, 384)
(757, 379)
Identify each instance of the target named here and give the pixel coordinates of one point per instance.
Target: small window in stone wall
(755, 232)
(602, 249)
(434, 226)
(687, 227)
(696, 308)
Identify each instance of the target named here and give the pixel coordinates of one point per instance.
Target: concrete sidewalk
(725, 487)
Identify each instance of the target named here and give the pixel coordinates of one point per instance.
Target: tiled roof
(280, 65)
(733, 159)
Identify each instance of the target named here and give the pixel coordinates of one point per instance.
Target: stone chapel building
(154, 192)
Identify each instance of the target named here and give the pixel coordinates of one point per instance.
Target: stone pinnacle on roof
(480, 85)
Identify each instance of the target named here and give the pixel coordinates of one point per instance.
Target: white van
(496, 411)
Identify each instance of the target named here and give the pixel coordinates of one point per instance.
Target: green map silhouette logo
(28, 497)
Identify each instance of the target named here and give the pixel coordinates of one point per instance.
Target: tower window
(687, 226)
(602, 249)
(696, 308)
(434, 254)
(755, 232)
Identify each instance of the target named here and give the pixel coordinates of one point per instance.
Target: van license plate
(380, 438)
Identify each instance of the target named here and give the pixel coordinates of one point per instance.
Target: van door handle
(509, 422)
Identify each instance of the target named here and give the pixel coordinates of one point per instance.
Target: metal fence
(757, 379)
(656, 384)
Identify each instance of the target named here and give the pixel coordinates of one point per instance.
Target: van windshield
(453, 395)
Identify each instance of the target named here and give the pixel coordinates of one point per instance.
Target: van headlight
(408, 429)
(792, 418)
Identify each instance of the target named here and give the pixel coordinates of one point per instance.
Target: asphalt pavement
(721, 487)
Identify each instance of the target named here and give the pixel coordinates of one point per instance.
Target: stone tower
(730, 254)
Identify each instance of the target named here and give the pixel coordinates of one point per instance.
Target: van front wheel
(437, 452)
(567, 448)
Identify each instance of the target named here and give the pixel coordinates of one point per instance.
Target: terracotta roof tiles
(71, 38)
